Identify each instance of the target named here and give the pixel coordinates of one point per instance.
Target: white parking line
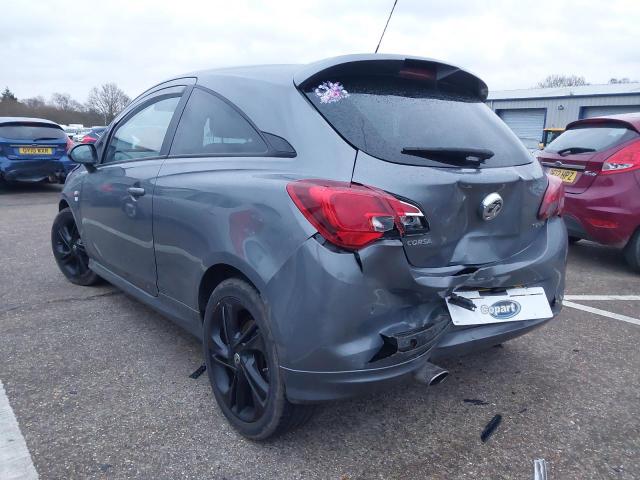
(604, 313)
(15, 460)
(602, 297)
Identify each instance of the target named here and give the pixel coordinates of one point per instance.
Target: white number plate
(515, 305)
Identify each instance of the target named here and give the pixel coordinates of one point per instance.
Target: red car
(598, 159)
(93, 135)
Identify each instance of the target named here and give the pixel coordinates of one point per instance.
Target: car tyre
(69, 251)
(242, 363)
(632, 251)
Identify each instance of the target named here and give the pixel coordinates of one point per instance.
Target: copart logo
(502, 310)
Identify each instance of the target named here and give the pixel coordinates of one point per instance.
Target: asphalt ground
(100, 387)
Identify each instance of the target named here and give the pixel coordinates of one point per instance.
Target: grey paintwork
(328, 309)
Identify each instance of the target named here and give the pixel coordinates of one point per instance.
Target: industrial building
(529, 111)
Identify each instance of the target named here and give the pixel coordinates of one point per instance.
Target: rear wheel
(632, 251)
(69, 250)
(242, 363)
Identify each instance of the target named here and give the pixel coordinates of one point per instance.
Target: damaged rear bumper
(349, 324)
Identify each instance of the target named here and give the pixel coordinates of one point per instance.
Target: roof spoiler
(603, 121)
(379, 64)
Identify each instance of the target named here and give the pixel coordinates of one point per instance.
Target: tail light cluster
(69, 144)
(352, 216)
(553, 200)
(624, 160)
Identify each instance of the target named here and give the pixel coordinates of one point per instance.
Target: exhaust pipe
(430, 374)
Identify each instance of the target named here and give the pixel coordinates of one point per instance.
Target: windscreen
(384, 114)
(594, 138)
(31, 132)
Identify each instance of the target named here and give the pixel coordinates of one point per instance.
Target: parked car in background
(598, 159)
(79, 135)
(93, 135)
(70, 131)
(33, 150)
(325, 229)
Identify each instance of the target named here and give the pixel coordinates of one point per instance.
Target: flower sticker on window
(330, 92)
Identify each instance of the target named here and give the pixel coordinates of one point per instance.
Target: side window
(141, 135)
(209, 125)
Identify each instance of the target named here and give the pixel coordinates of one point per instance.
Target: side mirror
(85, 154)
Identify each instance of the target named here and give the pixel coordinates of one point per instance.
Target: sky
(70, 46)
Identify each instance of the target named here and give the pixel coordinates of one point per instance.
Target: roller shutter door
(588, 112)
(526, 123)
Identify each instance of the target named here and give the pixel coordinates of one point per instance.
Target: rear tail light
(69, 144)
(624, 160)
(351, 215)
(553, 200)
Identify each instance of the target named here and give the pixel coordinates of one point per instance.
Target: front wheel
(69, 252)
(243, 366)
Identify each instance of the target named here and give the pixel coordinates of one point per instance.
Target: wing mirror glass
(84, 154)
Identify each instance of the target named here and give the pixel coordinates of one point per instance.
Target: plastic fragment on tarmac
(540, 469)
(198, 372)
(491, 427)
(475, 401)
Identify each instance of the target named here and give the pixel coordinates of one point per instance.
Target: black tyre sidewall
(632, 251)
(86, 279)
(251, 300)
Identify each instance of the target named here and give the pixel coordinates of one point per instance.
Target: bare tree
(557, 80)
(64, 101)
(35, 102)
(108, 100)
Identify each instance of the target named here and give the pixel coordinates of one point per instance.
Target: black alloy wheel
(242, 363)
(238, 359)
(69, 251)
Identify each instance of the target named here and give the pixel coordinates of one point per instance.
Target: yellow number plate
(567, 176)
(35, 151)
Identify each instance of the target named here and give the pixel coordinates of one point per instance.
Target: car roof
(629, 119)
(288, 74)
(5, 120)
(267, 94)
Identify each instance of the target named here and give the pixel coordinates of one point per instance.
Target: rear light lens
(352, 216)
(553, 200)
(623, 160)
(602, 223)
(69, 144)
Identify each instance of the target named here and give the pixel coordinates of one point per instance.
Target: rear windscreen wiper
(568, 150)
(450, 154)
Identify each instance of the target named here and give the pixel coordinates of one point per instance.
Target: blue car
(33, 150)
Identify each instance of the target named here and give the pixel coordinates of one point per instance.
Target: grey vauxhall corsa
(325, 229)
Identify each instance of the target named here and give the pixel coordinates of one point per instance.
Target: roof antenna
(386, 24)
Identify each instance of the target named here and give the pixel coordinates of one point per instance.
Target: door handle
(136, 191)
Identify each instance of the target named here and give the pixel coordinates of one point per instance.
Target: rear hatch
(577, 155)
(32, 141)
(425, 135)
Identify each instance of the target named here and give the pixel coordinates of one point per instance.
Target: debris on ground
(491, 427)
(475, 401)
(198, 372)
